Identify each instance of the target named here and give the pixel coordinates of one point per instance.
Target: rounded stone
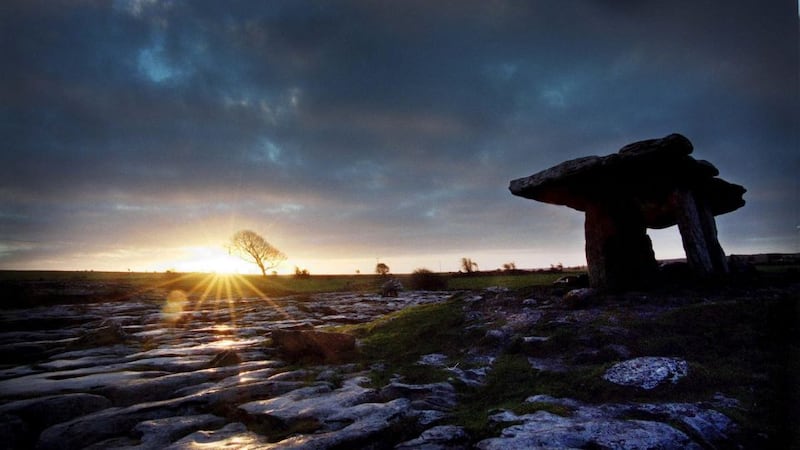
(647, 372)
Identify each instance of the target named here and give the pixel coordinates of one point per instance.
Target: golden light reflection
(214, 260)
(215, 296)
(225, 344)
(174, 306)
(223, 329)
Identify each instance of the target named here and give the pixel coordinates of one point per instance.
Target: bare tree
(469, 265)
(252, 247)
(381, 269)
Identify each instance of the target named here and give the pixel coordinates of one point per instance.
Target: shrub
(301, 273)
(425, 280)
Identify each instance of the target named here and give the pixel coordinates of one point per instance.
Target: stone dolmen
(647, 184)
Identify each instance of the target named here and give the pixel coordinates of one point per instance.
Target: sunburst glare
(209, 259)
(216, 298)
(173, 308)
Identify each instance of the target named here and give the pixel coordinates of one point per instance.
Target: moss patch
(398, 340)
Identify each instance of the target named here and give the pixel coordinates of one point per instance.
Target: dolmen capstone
(647, 184)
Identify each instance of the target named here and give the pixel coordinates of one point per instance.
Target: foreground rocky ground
(539, 367)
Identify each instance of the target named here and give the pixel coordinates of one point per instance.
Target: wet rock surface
(153, 374)
(209, 375)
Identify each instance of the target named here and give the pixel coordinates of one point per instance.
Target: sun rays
(215, 297)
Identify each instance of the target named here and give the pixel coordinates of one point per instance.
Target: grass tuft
(398, 340)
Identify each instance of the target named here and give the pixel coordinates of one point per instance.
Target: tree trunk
(263, 269)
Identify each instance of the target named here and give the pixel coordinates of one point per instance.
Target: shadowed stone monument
(647, 184)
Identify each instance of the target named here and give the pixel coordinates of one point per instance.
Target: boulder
(391, 288)
(225, 358)
(613, 425)
(647, 372)
(546, 430)
(578, 298)
(704, 426)
(108, 333)
(314, 345)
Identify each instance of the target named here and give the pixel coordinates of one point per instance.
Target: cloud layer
(372, 129)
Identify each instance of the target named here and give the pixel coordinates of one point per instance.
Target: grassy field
(28, 288)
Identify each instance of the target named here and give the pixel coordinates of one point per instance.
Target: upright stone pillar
(698, 231)
(619, 252)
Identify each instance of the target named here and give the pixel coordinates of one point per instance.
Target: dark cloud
(373, 125)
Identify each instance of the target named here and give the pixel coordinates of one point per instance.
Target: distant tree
(301, 273)
(468, 265)
(250, 246)
(509, 267)
(382, 269)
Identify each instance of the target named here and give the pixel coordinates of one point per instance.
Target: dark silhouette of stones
(108, 333)
(647, 184)
(314, 345)
(579, 298)
(391, 288)
(581, 280)
(225, 358)
(30, 416)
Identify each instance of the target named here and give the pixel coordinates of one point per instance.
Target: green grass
(510, 281)
(512, 380)
(30, 288)
(398, 340)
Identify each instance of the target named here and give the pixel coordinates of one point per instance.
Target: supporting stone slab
(698, 230)
(619, 252)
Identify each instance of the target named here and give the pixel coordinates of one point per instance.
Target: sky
(141, 134)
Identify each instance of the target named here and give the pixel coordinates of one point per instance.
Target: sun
(212, 260)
